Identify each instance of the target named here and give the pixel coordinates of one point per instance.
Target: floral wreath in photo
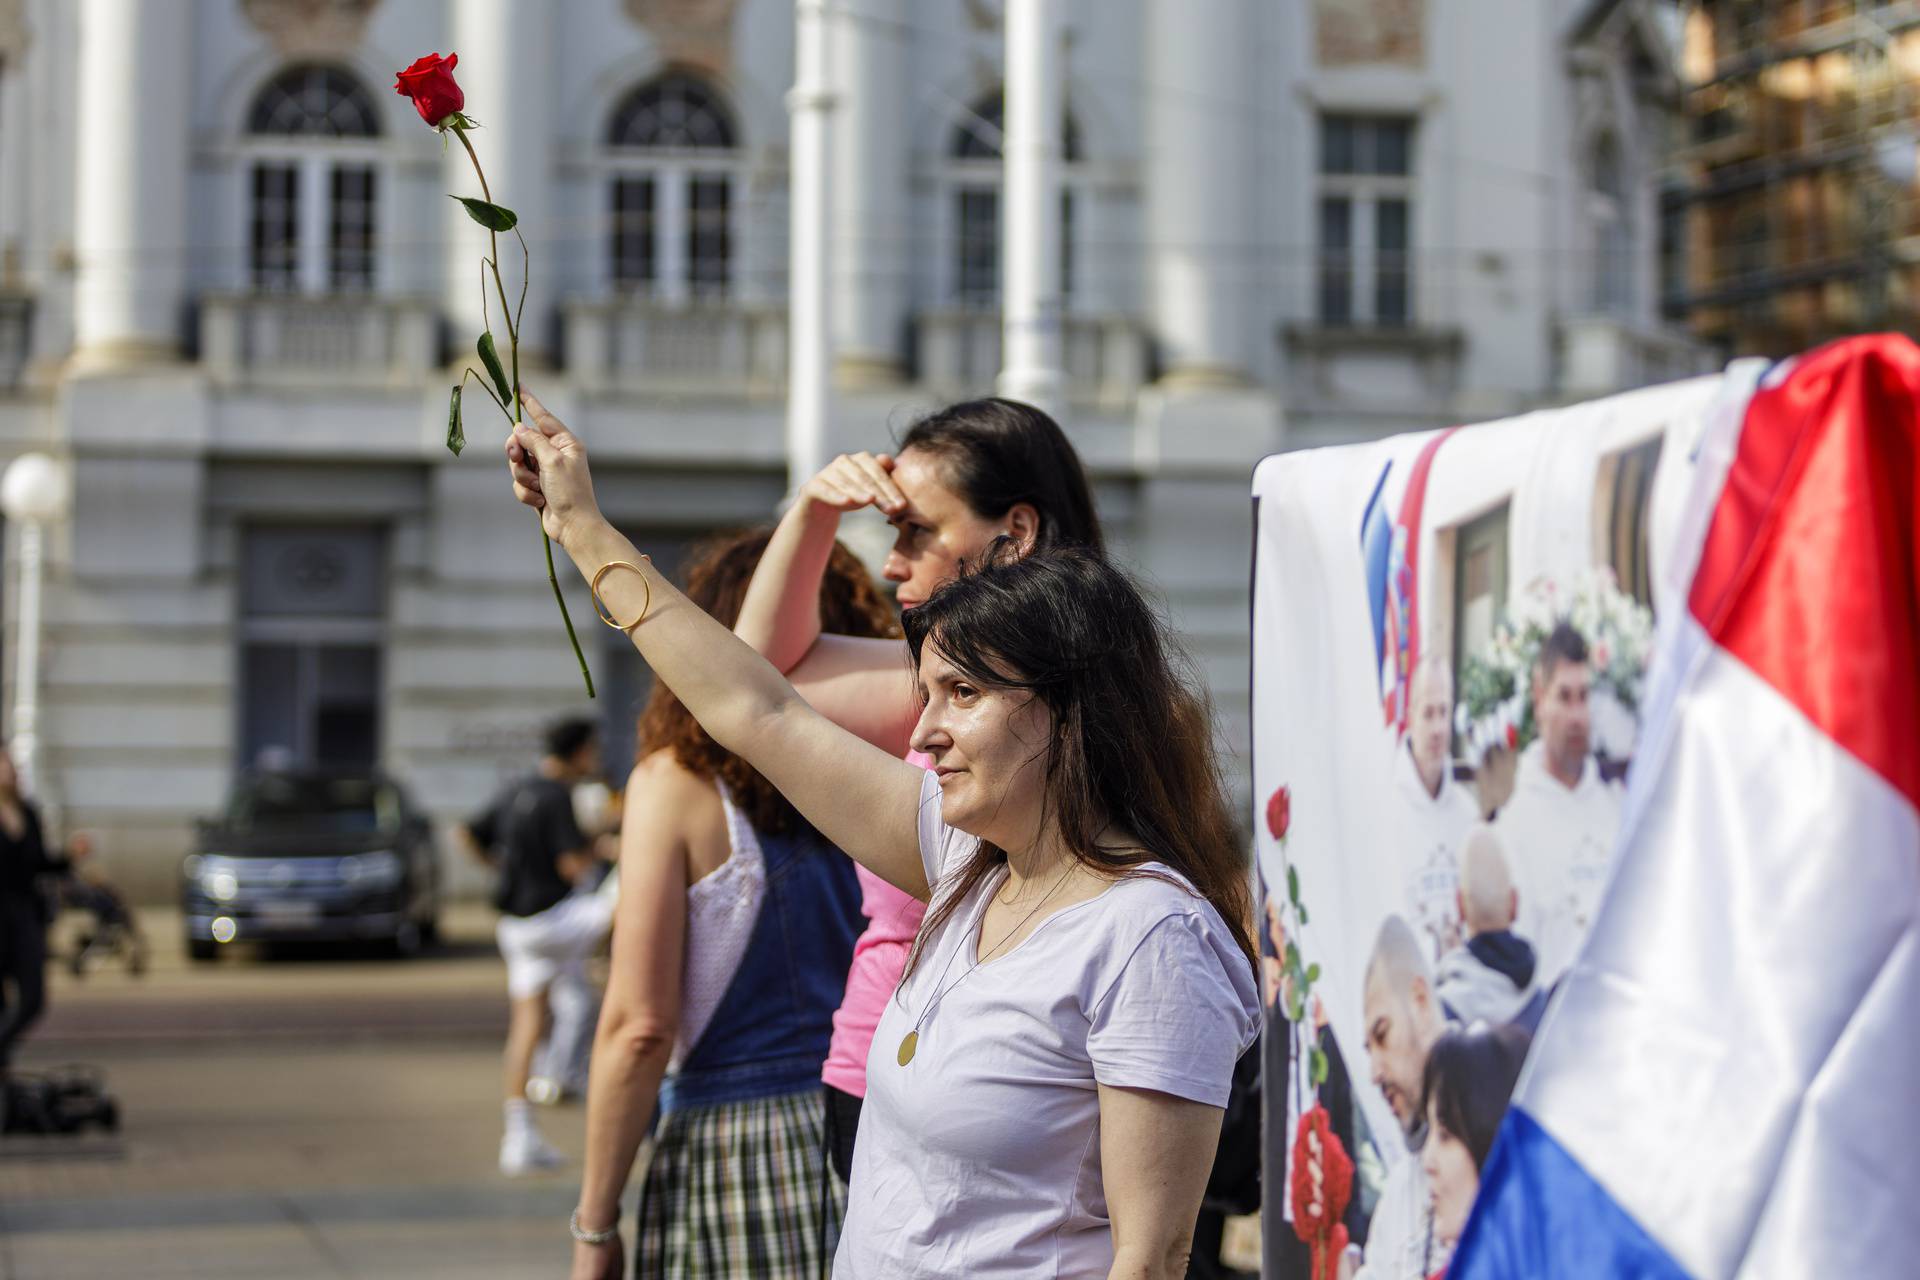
(1495, 705)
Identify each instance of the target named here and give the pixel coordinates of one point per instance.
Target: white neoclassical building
(233, 296)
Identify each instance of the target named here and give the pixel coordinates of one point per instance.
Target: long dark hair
(1469, 1080)
(1132, 741)
(716, 581)
(999, 453)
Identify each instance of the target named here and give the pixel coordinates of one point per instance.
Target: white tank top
(722, 907)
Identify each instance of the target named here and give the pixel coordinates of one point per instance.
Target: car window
(308, 803)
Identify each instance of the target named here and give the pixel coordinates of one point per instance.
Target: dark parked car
(312, 857)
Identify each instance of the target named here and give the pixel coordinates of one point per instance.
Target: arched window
(313, 183)
(974, 152)
(1610, 213)
(672, 153)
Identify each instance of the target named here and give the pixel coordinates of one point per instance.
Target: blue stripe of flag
(1540, 1214)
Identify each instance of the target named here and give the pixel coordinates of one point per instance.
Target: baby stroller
(106, 929)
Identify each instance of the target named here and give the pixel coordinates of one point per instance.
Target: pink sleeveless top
(879, 957)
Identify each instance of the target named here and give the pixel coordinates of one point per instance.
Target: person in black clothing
(23, 913)
(529, 835)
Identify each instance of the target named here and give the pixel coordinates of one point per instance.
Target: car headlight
(190, 866)
(377, 870)
(221, 886)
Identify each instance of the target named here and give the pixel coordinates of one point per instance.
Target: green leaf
(1318, 1067)
(456, 437)
(491, 358)
(1296, 1008)
(1292, 958)
(1301, 907)
(491, 216)
(1293, 886)
(1313, 973)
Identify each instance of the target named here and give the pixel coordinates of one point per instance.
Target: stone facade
(237, 327)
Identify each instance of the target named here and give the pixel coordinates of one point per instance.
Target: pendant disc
(907, 1046)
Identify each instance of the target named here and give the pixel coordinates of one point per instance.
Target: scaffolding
(1796, 192)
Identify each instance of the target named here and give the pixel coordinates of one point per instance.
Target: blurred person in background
(529, 835)
(560, 1063)
(24, 913)
(734, 933)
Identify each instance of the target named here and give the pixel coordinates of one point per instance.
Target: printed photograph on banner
(1451, 638)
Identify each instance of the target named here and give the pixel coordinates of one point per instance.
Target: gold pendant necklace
(910, 1043)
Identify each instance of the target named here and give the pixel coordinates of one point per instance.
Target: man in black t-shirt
(529, 836)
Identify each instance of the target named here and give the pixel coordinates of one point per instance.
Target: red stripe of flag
(1810, 573)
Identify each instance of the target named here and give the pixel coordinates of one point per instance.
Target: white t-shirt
(981, 1156)
(1559, 844)
(1428, 834)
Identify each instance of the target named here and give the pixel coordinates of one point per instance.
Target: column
(1030, 204)
(1197, 175)
(809, 317)
(506, 71)
(871, 227)
(130, 217)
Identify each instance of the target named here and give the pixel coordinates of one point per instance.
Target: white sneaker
(527, 1152)
(543, 1091)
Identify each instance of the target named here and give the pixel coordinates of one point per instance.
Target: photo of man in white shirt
(1558, 826)
(1432, 812)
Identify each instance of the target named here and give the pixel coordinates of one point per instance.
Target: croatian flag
(1728, 1083)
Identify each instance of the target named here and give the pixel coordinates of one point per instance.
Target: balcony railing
(16, 338)
(1601, 355)
(1105, 356)
(287, 340)
(694, 348)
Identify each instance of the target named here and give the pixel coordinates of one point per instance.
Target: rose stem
(513, 346)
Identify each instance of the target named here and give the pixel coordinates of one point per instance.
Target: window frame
(969, 171)
(1365, 191)
(315, 159)
(1613, 230)
(675, 172)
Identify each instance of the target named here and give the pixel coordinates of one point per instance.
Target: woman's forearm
(626, 1071)
(780, 616)
(1131, 1265)
(728, 688)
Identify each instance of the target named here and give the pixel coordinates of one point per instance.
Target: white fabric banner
(1395, 583)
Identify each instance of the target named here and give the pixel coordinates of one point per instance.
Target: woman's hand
(855, 480)
(598, 1261)
(549, 468)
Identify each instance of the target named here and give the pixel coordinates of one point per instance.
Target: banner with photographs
(1450, 637)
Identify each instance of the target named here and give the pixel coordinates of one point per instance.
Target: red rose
(1279, 813)
(1513, 737)
(429, 82)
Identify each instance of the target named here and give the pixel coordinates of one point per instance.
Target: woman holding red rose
(1046, 1086)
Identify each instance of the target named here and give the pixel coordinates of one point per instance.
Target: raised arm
(856, 682)
(856, 794)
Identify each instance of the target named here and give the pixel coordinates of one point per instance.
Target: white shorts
(539, 948)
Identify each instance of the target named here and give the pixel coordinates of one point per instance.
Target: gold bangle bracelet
(601, 609)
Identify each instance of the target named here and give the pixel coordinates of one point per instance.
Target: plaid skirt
(740, 1189)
